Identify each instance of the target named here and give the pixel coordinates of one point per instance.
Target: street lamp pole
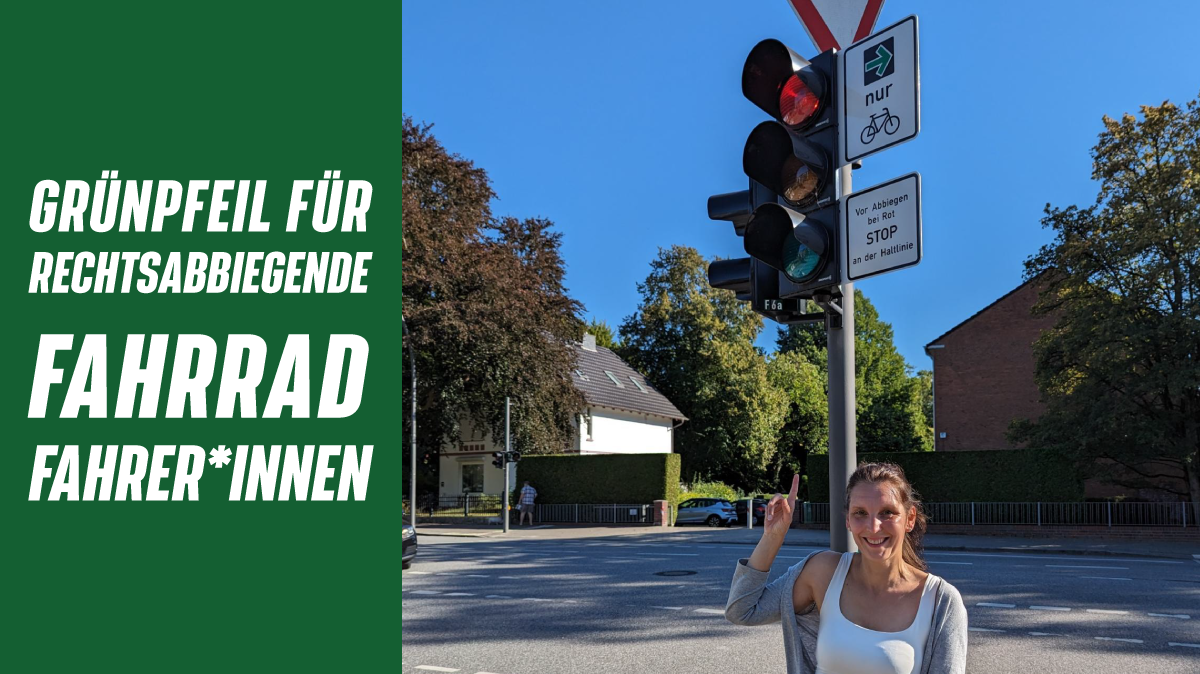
(412, 473)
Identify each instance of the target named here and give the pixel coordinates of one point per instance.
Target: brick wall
(983, 373)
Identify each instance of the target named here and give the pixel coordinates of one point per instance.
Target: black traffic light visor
(730, 274)
(735, 207)
(768, 68)
(773, 234)
(766, 155)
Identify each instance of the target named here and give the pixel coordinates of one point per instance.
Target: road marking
(1044, 634)
(497, 596)
(669, 554)
(510, 578)
(1105, 568)
(1049, 608)
(710, 611)
(1180, 616)
(476, 575)
(431, 668)
(991, 605)
(1106, 611)
(669, 608)
(458, 594)
(938, 561)
(421, 573)
(443, 574)
(426, 592)
(1128, 641)
(535, 599)
(1104, 578)
(981, 629)
(1176, 643)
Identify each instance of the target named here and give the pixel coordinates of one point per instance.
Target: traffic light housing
(498, 460)
(794, 156)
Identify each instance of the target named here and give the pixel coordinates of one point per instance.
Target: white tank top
(846, 648)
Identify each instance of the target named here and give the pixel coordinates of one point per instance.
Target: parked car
(409, 547)
(711, 511)
(760, 510)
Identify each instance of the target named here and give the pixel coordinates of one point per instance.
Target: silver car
(711, 511)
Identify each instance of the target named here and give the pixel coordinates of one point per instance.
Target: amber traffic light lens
(799, 181)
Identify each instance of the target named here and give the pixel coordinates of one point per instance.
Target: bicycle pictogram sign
(887, 123)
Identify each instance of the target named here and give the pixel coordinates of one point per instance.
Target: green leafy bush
(614, 478)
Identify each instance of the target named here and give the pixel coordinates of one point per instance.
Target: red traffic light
(797, 102)
(784, 85)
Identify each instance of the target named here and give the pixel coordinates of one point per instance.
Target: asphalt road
(503, 606)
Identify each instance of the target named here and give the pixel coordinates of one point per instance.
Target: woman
(878, 611)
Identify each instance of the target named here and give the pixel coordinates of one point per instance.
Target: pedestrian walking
(525, 504)
(877, 611)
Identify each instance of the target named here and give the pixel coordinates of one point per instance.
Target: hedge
(955, 477)
(611, 478)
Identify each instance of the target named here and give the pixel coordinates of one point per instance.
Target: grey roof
(599, 389)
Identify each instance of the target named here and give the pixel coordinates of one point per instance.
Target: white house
(624, 414)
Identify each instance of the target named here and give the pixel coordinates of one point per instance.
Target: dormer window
(637, 383)
(614, 379)
(582, 375)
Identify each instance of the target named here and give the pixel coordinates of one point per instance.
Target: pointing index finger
(795, 488)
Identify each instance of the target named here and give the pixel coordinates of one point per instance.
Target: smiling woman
(878, 611)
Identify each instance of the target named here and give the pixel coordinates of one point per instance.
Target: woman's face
(878, 520)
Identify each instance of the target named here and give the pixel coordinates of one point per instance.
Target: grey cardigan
(753, 601)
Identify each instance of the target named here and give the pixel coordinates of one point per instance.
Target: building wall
(983, 374)
(617, 432)
(474, 447)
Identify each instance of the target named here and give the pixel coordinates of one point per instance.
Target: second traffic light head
(800, 246)
(798, 169)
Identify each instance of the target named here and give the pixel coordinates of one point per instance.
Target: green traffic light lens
(800, 262)
(799, 181)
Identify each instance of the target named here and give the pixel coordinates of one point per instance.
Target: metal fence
(1101, 514)
(467, 506)
(594, 513)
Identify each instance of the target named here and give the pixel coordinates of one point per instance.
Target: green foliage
(696, 344)
(806, 427)
(613, 478)
(889, 399)
(1120, 372)
(485, 305)
(604, 335)
(953, 477)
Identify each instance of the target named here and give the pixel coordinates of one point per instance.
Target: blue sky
(617, 120)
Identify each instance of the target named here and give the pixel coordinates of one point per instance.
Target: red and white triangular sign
(837, 24)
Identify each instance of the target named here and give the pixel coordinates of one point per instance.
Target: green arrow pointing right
(879, 64)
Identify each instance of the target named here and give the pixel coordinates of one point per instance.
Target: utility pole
(843, 440)
(505, 515)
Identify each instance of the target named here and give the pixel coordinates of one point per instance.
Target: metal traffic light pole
(843, 442)
(505, 515)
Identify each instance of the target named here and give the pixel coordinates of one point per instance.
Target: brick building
(983, 373)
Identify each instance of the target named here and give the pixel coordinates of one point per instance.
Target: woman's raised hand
(779, 512)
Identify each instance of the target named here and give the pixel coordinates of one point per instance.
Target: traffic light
(498, 460)
(514, 456)
(795, 157)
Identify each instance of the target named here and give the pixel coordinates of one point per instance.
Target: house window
(637, 384)
(472, 478)
(582, 375)
(614, 379)
(589, 427)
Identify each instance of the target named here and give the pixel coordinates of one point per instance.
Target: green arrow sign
(880, 63)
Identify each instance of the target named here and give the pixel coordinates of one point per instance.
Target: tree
(696, 344)
(1119, 372)
(485, 304)
(887, 396)
(604, 335)
(806, 424)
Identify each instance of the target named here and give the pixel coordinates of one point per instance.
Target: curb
(972, 548)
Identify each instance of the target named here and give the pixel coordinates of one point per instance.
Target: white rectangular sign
(882, 228)
(881, 91)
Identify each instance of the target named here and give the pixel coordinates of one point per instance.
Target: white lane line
(459, 594)
(1180, 616)
(476, 575)
(1107, 611)
(510, 578)
(981, 629)
(1176, 643)
(991, 605)
(535, 599)
(1104, 578)
(497, 596)
(1049, 608)
(669, 554)
(426, 592)
(1044, 634)
(420, 573)
(938, 561)
(444, 574)
(669, 608)
(431, 668)
(1070, 566)
(710, 611)
(1128, 641)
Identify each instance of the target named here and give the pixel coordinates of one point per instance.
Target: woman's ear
(912, 518)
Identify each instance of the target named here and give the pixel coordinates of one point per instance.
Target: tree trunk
(1193, 479)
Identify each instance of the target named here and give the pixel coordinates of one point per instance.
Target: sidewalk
(811, 538)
